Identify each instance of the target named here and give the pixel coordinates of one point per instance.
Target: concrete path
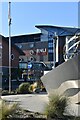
(32, 102)
(37, 103)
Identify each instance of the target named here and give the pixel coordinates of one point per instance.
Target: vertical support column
(66, 51)
(57, 52)
(54, 52)
(54, 48)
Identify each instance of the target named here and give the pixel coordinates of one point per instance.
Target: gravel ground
(26, 114)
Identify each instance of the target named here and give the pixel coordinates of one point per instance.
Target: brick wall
(5, 54)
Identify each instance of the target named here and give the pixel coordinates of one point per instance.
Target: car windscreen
(38, 66)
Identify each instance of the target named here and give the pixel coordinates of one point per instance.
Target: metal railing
(72, 47)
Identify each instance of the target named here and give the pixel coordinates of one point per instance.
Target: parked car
(33, 70)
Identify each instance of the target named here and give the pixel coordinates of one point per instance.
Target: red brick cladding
(5, 54)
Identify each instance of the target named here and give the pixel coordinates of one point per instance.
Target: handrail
(71, 39)
(67, 54)
(77, 43)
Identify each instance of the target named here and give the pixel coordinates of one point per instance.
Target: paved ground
(37, 103)
(32, 102)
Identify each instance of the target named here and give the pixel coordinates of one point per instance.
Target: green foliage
(7, 109)
(77, 118)
(56, 106)
(31, 87)
(24, 88)
(5, 92)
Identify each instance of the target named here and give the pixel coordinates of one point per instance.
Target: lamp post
(9, 18)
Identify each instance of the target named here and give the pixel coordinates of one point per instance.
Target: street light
(9, 18)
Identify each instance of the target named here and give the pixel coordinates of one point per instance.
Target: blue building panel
(61, 31)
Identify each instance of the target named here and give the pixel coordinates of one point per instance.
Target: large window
(23, 65)
(50, 51)
(50, 44)
(50, 57)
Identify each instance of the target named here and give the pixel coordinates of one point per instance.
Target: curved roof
(61, 31)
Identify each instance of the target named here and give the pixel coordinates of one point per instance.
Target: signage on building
(41, 51)
(29, 65)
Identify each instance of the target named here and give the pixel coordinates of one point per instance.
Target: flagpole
(9, 17)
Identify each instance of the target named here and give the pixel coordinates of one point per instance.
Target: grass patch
(56, 106)
(7, 109)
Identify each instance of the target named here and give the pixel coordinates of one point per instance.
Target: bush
(5, 92)
(31, 88)
(7, 109)
(23, 88)
(56, 106)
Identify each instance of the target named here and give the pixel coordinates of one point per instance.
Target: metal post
(54, 56)
(54, 48)
(9, 17)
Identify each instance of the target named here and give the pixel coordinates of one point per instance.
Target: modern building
(46, 46)
(63, 34)
(4, 55)
(30, 45)
(40, 46)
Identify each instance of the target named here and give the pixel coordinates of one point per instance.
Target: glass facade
(50, 46)
(23, 65)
